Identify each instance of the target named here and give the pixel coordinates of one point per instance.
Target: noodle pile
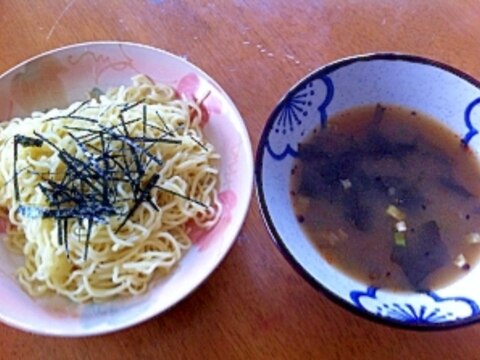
(100, 196)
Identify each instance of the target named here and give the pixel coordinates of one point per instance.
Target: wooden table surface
(254, 306)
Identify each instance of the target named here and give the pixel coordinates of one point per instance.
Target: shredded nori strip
(87, 190)
(59, 231)
(144, 120)
(25, 141)
(182, 196)
(65, 231)
(199, 143)
(163, 122)
(75, 117)
(131, 106)
(143, 197)
(87, 240)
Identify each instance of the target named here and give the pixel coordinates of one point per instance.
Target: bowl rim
(240, 213)
(277, 238)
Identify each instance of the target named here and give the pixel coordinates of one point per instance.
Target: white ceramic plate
(61, 76)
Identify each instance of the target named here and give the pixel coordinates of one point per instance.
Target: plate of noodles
(125, 177)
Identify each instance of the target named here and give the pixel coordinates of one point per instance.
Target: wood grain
(254, 306)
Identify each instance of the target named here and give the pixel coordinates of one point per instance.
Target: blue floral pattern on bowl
(445, 94)
(311, 99)
(429, 308)
(472, 112)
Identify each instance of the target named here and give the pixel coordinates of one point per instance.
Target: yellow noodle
(151, 242)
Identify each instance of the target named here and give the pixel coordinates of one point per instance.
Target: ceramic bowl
(435, 89)
(61, 76)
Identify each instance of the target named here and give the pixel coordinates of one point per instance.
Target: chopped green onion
(401, 226)
(400, 239)
(395, 212)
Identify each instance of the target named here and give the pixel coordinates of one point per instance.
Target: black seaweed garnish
(72, 115)
(449, 183)
(88, 188)
(131, 106)
(25, 141)
(144, 196)
(165, 126)
(199, 143)
(89, 232)
(59, 231)
(182, 196)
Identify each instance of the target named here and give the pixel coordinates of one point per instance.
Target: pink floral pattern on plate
(202, 237)
(39, 85)
(100, 63)
(189, 86)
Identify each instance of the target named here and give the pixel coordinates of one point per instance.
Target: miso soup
(390, 197)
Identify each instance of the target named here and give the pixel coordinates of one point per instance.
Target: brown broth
(349, 173)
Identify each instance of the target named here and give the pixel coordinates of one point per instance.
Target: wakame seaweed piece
(360, 180)
(356, 211)
(400, 192)
(312, 151)
(321, 178)
(336, 168)
(425, 252)
(378, 146)
(451, 184)
(313, 185)
(346, 164)
(329, 171)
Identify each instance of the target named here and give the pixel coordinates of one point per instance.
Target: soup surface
(390, 197)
